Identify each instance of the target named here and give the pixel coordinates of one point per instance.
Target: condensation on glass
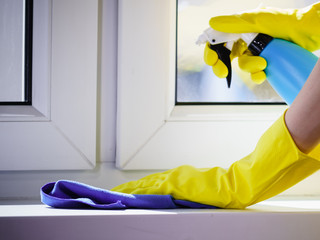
(12, 51)
(196, 82)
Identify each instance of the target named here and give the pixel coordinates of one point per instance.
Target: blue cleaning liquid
(289, 66)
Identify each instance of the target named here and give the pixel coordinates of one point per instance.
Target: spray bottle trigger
(224, 56)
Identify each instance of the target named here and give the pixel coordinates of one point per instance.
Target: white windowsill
(272, 219)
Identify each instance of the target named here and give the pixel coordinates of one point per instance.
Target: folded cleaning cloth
(71, 194)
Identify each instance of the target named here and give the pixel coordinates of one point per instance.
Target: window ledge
(273, 219)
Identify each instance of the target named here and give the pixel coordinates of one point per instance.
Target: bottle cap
(259, 43)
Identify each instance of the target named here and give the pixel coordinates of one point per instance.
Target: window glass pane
(195, 80)
(12, 40)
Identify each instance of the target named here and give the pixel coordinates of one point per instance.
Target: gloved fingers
(267, 20)
(238, 49)
(295, 25)
(136, 187)
(258, 77)
(252, 64)
(232, 24)
(218, 67)
(161, 183)
(210, 56)
(151, 181)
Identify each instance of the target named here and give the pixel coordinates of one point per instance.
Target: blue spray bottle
(288, 65)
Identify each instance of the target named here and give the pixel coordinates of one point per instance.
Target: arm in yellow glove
(296, 25)
(276, 164)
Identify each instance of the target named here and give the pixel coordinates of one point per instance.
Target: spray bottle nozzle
(217, 42)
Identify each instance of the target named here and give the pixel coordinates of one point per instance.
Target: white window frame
(58, 131)
(154, 133)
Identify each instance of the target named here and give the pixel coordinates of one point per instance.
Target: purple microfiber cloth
(71, 194)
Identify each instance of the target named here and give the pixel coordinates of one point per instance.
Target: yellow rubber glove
(300, 26)
(275, 165)
(247, 62)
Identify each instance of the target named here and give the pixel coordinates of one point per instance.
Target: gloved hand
(275, 165)
(300, 26)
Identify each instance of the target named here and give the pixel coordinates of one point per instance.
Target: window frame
(153, 132)
(58, 131)
(26, 76)
(28, 52)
